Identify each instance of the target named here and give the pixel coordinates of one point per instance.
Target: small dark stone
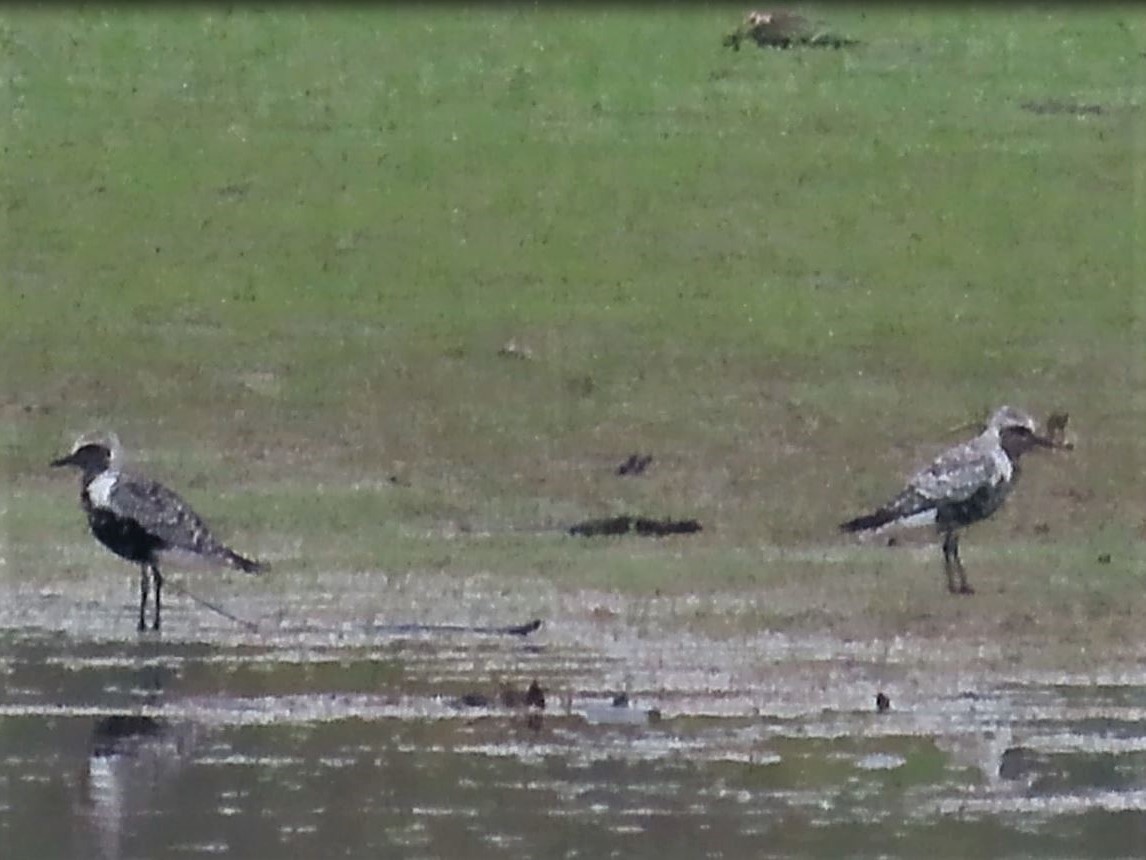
(1104, 558)
(882, 702)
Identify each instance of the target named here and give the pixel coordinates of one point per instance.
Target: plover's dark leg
(947, 562)
(950, 548)
(951, 555)
(158, 577)
(143, 585)
(964, 585)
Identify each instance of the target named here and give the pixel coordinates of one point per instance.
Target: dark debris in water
(507, 630)
(508, 696)
(117, 732)
(620, 711)
(1019, 763)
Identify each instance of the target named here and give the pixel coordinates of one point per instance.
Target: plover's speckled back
(144, 522)
(963, 485)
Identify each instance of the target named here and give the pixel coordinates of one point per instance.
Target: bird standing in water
(144, 522)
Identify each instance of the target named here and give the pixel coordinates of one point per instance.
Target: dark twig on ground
(635, 465)
(643, 526)
(510, 630)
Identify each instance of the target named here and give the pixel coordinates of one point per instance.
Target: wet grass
(280, 250)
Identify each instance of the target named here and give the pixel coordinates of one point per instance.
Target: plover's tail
(869, 521)
(242, 563)
(909, 508)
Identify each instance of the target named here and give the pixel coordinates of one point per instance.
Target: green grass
(282, 248)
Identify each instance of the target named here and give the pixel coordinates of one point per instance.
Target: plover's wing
(161, 512)
(958, 473)
(954, 476)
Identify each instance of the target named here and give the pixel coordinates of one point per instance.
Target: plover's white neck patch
(1006, 469)
(99, 490)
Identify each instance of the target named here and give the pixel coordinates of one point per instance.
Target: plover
(965, 484)
(144, 522)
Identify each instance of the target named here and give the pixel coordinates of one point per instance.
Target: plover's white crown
(1011, 416)
(107, 438)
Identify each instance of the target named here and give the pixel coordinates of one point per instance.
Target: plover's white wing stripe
(925, 517)
(162, 513)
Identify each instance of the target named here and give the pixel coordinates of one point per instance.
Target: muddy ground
(390, 295)
(325, 733)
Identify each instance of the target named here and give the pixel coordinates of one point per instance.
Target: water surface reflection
(212, 742)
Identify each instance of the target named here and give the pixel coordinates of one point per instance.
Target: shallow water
(327, 734)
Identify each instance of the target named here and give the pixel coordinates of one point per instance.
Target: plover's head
(758, 19)
(1010, 416)
(91, 457)
(1018, 431)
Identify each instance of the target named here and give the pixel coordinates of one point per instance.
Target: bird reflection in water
(130, 759)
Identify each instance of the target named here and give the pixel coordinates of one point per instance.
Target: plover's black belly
(980, 505)
(125, 537)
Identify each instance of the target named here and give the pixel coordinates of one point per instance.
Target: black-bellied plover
(144, 522)
(965, 484)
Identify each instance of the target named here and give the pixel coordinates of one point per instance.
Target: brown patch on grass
(1054, 107)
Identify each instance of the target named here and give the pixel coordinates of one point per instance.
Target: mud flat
(328, 733)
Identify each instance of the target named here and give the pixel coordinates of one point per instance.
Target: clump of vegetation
(783, 29)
